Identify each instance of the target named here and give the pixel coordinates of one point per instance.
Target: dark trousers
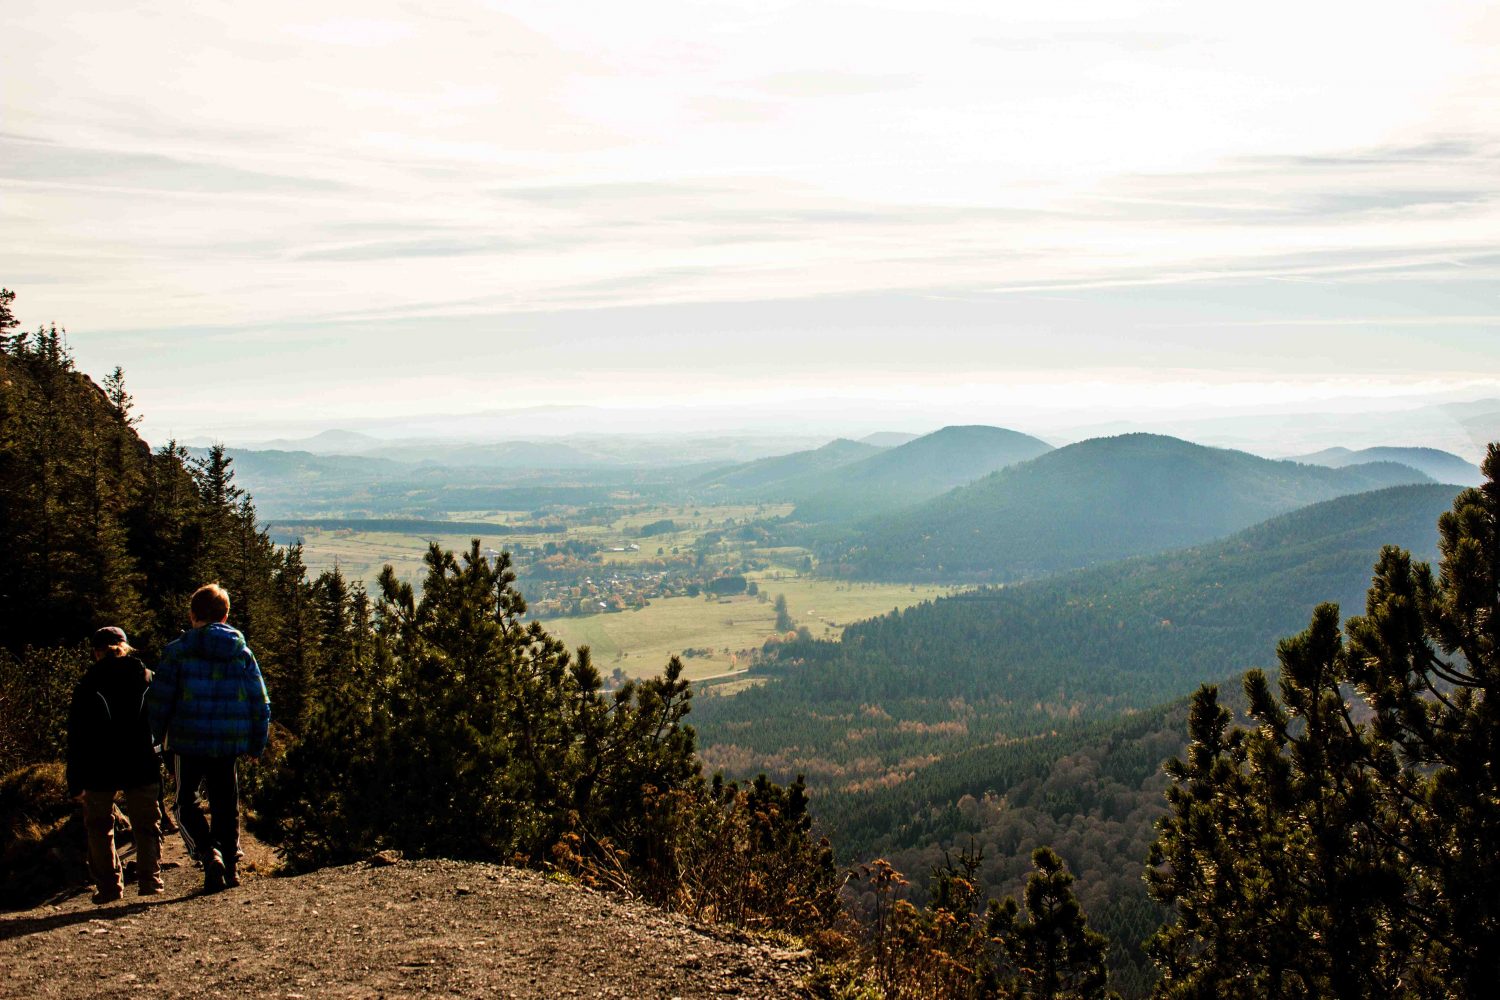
(217, 775)
(99, 821)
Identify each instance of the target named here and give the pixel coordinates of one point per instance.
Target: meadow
(727, 630)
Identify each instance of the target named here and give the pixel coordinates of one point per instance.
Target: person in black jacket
(110, 749)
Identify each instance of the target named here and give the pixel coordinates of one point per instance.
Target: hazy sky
(303, 213)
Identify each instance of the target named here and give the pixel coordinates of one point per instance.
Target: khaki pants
(99, 821)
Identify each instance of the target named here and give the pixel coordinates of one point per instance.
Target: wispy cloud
(23, 159)
(245, 168)
(824, 83)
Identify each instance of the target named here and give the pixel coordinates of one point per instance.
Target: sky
(283, 217)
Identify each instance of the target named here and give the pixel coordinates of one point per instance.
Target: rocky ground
(427, 928)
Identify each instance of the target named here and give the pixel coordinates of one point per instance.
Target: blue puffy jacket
(208, 698)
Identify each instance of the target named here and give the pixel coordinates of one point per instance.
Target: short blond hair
(209, 604)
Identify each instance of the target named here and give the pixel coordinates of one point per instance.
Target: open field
(826, 606)
(640, 642)
(362, 554)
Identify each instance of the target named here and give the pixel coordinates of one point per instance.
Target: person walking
(110, 750)
(209, 704)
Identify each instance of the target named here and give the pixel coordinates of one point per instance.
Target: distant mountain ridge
(913, 472)
(1442, 466)
(762, 477)
(888, 439)
(329, 442)
(1093, 502)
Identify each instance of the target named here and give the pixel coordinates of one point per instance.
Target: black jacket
(109, 739)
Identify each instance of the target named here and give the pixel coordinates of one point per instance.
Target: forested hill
(1005, 662)
(767, 478)
(1092, 502)
(101, 530)
(1442, 466)
(918, 470)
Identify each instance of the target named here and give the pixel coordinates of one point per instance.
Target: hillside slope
(1002, 663)
(766, 477)
(910, 473)
(430, 928)
(1093, 502)
(1442, 466)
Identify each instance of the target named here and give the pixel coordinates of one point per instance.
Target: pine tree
(8, 321)
(1052, 951)
(1426, 657)
(122, 401)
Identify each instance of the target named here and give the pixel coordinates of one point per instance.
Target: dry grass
(640, 642)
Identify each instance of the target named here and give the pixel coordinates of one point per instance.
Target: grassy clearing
(640, 642)
(826, 606)
(361, 555)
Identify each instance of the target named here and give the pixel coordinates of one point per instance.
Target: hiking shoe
(151, 887)
(231, 877)
(213, 872)
(108, 895)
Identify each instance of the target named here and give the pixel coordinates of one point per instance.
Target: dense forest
(1092, 793)
(1092, 502)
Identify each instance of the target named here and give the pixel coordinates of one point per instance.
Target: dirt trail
(428, 928)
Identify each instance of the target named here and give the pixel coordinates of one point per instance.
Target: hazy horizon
(1274, 435)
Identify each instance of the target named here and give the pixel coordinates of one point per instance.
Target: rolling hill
(766, 478)
(1092, 502)
(1441, 466)
(910, 473)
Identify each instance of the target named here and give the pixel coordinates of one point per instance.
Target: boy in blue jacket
(208, 702)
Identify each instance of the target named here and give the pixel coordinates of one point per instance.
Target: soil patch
(427, 928)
